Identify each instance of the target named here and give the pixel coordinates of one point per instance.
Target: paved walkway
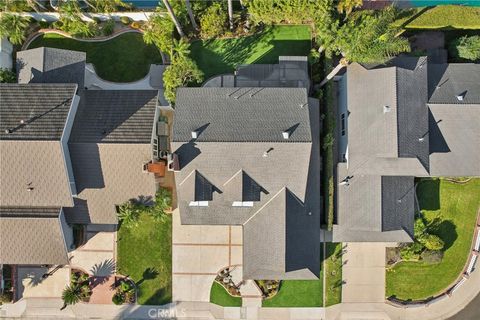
(198, 254)
(364, 273)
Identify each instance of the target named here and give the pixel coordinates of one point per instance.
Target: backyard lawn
(333, 275)
(441, 17)
(125, 58)
(451, 210)
(220, 56)
(220, 296)
(145, 254)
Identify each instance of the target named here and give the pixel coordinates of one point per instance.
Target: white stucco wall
(6, 49)
(64, 140)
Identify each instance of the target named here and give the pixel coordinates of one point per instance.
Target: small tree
(432, 242)
(159, 31)
(72, 294)
(213, 21)
(467, 48)
(71, 20)
(180, 49)
(182, 72)
(128, 214)
(13, 27)
(163, 202)
(7, 76)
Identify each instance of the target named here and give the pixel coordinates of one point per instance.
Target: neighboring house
(250, 156)
(6, 52)
(68, 155)
(409, 118)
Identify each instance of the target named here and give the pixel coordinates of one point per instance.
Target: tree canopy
(13, 26)
(467, 48)
(183, 72)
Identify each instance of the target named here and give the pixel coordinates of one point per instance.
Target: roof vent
(22, 121)
(460, 96)
(286, 134)
(386, 109)
(194, 134)
(7, 131)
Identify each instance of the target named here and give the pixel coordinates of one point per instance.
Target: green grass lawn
(220, 56)
(220, 296)
(333, 276)
(453, 209)
(145, 254)
(441, 17)
(125, 58)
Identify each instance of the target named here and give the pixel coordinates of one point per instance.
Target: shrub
(108, 27)
(118, 298)
(432, 242)
(432, 256)
(213, 21)
(13, 26)
(411, 252)
(183, 72)
(128, 214)
(135, 25)
(44, 24)
(6, 297)
(125, 20)
(7, 76)
(163, 203)
(467, 48)
(158, 30)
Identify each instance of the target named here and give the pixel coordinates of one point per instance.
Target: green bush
(118, 298)
(7, 76)
(213, 21)
(432, 256)
(158, 30)
(183, 72)
(44, 24)
(125, 20)
(411, 252)
(432, 242)
(108, 27)
(6, 297)
(466, 48)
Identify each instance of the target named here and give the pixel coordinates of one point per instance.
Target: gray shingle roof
(115, 116)
(446, 81)
(242, 114)
(51, 65)
(106, 175)
(43, 107)
(33, 173)
(32, 240)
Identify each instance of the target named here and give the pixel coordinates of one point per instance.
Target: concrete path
(198, 254)
(364, 273)
(31, 284)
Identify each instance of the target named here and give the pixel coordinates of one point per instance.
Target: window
(343, 124)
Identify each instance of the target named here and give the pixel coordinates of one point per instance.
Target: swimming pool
(143, 3)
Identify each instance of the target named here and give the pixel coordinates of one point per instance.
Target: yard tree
(128, 214)
(347, 6)
(72, 294)
(467, 48)
(173, 17)
(7, 76)
(181, 72)
(213, 20)
(158, 30)
(432, 242)
(106, 6)
(163, 202)
(180, 49)
(13, 27)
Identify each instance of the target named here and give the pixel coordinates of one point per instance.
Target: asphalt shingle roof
(43, 107)
(51, 65)
(115, 116)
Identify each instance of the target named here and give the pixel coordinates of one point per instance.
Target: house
(69, 156)
(409, 118)
(249, 156)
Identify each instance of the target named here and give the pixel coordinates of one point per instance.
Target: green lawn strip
(124, 58)
(145, 255)
(441, 17)
(455, 207)
(219, 56)
(298, 293)
(220, 296)
(333, 280)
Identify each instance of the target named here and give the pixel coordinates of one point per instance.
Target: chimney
(286, 135)
(194, 134)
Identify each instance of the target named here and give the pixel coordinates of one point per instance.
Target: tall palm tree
(173, 17)
(190, 14)
(230, 14)
(13, 26)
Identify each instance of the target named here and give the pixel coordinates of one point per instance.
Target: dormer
(243, 190)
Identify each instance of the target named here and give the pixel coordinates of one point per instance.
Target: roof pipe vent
(194, 134)
(286, 135)
(460, 96)
(386, 109)
(7, 131)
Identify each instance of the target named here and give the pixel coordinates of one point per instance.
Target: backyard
(145, 255)
(450, 210)
(441, 17)
(124, 58)
(219, 56)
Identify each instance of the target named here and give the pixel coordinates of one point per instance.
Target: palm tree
(230, 14)
(173, 17)
(13, 26)
(180, 49)
(128, 214)
(190, 14)
(163, 202)
(72, 294)
(347, 6)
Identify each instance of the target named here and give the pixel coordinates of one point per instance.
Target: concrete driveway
(30, 283)
(198, 254)
(364, 272)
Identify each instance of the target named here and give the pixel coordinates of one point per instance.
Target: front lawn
(218, 56)
(450, 210)
(220, 296)
(333, 275)
(124, 58)
(441, 17)
(145, 255)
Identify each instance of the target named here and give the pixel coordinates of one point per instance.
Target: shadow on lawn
(428, 193)
(446, 230)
